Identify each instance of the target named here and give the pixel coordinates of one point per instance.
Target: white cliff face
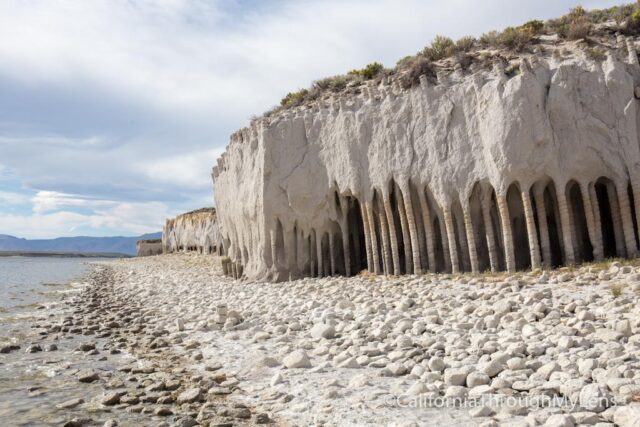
(192, 232)
(479, 171)
(149, 247)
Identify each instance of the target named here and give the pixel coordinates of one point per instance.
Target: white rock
(297, 359)
(455, 377)
(320, 330)
(595, 397)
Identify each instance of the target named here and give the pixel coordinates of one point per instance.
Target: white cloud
(188, 170)
(12, 198)
(132, 100)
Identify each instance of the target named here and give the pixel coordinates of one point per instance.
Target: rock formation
(149, 247)
(195, 231)
(504, 167)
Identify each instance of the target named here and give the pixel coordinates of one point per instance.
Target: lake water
(23, 280)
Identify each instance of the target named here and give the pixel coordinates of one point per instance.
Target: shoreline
(53, 254)
(89, 358)
(172, 342)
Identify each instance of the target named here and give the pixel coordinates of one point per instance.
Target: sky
(113, 112)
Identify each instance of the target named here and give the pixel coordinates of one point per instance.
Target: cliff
(529, 162)
(192, 231)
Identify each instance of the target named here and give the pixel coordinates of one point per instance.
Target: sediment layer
(483, 169)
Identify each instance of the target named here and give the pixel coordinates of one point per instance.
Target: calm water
(23, 280)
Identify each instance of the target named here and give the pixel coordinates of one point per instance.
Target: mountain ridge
(79, 244)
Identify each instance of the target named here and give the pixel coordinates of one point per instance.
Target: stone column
(532, 235)
(332, 253)
(545, 243)
(428, 230)
(598, 251)
(567, 227)
(627, 221)
(319, 253)
(375, 254)
(386, 245)
(312, 257)
(616, 219)
(451, 237)
(489, 232)
(635, 190)
(406, 238)
(392, 235)
(367, 235)
(471, 241)
(413, 232)
(597, 220)
(464, 248)
(507, 235)
(274, 248)
(346, 246)
(445, 245)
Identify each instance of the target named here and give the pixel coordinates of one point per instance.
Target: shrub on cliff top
(371, 71)
(293, 99)
(413, 68)
(440, 48)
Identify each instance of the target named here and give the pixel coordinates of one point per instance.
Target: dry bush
(413, 69)
(440, 48)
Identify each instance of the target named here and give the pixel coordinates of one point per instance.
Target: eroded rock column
(545, 243)
(319, 254)
(386, 244)
(471, 240)
(406, 237)
(346, 246)
(532, 235)
(507, 235)
(444, 235)
(625, 216)
(428, 231)
(489, 232)
(367, 235)
(597, 220)
(413, 232)
(616, 219)
(596, 243)
(332, 253)
(274, 248)
(375, 253)
(451, 237)
(567, 227)
(393, 239)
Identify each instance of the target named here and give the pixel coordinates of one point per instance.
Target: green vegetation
(444, 52)
(369, 72)
(616, 289)
(596, 53)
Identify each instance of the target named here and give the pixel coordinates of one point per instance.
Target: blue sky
(112, 112)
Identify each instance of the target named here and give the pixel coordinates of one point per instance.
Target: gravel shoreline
(558, 348)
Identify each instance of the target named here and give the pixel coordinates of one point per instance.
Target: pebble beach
(168, 341)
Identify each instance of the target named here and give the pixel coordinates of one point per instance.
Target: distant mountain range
(81, 244)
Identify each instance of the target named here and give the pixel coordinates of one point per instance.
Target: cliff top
(593, 31)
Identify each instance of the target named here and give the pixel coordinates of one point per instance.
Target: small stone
(35, 348)
(455, 377)
(297, 359)
(492, 368)
(481, 411)
(436, 364)
(560, 420)
(595, 397)
(190, 395)
(276, 379)
(88, 376)
(72, 403)
(163, 411)
(111, 398)
(50, 347)
(262, 419)
(320, 330)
